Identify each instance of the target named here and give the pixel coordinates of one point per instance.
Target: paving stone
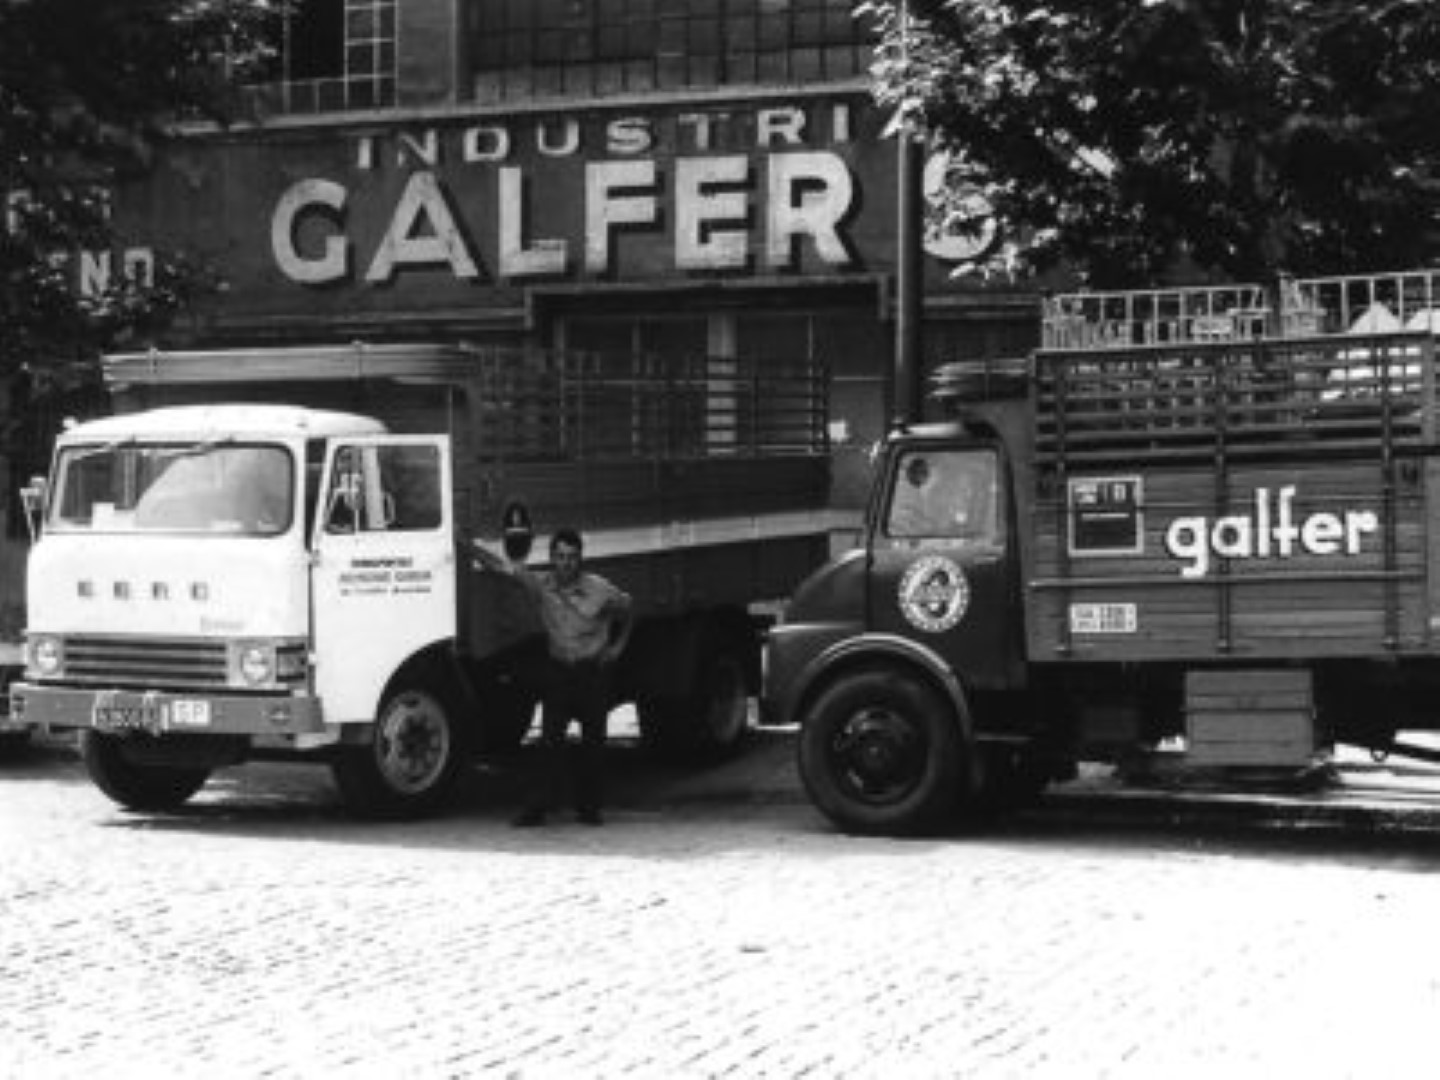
(263, 934)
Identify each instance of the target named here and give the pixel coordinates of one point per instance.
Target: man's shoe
(528, 819)
(590, 817)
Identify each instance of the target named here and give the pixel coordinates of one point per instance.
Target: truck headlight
(47, 655)
(255, 664)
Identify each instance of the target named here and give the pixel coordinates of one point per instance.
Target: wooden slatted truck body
(1205, 521)
(290, 571)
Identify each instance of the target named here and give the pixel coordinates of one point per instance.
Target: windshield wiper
(86, 453)
(195, 449)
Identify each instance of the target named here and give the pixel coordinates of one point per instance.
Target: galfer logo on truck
(1269, 531)
(934, 594)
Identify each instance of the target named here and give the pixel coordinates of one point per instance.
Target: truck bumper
(158, 713)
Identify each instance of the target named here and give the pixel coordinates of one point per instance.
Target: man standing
(587, 623)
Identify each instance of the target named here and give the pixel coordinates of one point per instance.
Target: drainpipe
(907, 405)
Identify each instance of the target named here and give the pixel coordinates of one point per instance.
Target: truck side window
(945, 495)
(385, 488)
(410, 480)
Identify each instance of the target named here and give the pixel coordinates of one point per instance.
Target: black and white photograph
(696, 539)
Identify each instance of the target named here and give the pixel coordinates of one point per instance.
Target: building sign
(946, 191)
(451, 213)
(93, 272)
(469, 199)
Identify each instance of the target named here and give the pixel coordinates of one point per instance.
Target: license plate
(154, 716)
(1103, 618)
(132, 716)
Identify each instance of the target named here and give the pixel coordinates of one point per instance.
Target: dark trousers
(578, 692)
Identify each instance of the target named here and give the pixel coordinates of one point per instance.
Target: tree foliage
(87, 89)
(1128, 138)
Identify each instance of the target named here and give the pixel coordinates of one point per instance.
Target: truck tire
(135, 785)
(880, 753)
(13, 744)
(411, 763)
(710, 723)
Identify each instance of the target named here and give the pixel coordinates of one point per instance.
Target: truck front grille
(148, 662)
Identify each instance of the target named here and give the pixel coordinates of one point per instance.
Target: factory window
(522, 48)
(335, 55)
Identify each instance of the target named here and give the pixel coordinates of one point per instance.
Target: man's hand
(622, 622)
(485, 559)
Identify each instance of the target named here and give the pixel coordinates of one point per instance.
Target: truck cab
(891, 654)
(208, 581)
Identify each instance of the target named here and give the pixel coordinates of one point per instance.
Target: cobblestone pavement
(714, 927)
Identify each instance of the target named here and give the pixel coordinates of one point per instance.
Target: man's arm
(485, 559)
(620, 609)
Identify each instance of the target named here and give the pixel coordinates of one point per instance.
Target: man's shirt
(579, 618)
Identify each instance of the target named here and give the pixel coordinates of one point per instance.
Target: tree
(1129, 138)
(87, 88)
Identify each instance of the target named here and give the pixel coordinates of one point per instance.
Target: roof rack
(1361, 303)
(1125, 319)
(1377, 303)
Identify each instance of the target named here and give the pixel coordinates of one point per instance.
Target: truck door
(942, 564)
(383, 580)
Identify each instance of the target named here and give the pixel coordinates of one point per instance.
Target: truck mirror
(32, 498)
(517, 531)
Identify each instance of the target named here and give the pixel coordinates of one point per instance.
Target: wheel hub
(880, 755)
(413, 745)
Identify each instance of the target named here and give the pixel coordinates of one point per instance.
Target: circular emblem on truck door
(934, 594)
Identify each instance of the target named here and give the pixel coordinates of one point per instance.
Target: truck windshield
(945, 495)
(216, 487)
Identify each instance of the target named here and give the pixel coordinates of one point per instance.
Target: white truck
(210, 582)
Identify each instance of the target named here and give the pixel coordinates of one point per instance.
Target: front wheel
(411, 763)
(880, 753)
(134, 784)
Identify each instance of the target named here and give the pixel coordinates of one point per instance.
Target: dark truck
(181, 627)
(1198, 516)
